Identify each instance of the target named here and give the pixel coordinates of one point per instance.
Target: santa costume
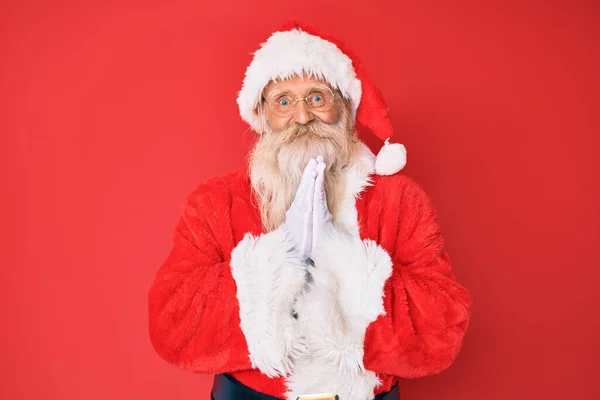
(232, 299)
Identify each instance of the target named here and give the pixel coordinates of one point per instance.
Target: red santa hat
(299, 49)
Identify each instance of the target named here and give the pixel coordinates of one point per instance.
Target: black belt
(227, 388)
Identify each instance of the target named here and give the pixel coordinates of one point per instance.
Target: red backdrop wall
(112, 112)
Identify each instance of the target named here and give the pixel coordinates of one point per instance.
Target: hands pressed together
(308, 217)
(310, 223)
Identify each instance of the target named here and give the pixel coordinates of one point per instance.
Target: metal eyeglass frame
(296, 100)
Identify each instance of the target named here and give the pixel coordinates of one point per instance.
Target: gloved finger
(309, 195)
(307, 233)
(320, 200)
(308, 176)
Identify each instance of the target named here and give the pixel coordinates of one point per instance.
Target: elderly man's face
(295, 133)
(299, 87)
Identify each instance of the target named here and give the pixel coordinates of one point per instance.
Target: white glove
(299, 217)
(322, 218)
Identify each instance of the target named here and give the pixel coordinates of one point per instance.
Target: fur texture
(269, 275)
(420, 316)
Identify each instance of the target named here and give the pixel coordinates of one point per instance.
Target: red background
(112, 112)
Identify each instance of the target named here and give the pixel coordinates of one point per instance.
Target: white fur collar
(357, 178)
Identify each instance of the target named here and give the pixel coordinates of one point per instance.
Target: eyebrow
(275, 92)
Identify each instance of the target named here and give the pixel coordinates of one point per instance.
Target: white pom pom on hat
(298, 49)
(391, 159)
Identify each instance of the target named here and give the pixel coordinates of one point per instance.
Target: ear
(259, 114)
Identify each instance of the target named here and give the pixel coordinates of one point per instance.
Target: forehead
(297, 85)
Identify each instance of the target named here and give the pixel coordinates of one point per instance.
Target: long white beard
(278, 159)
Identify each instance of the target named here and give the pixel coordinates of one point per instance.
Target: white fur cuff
(268, 275)
(360, 269)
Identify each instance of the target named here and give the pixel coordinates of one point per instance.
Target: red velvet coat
(382, 302)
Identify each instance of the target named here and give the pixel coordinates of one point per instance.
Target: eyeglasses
(319, 98)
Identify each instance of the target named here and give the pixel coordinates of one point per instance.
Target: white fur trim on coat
(296, 52)
(356, 179)
(268, 274)
(345, 296)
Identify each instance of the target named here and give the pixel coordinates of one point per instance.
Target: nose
(303, 114)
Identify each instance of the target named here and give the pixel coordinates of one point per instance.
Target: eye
(319, 99)
(316, 97)
(283, 101)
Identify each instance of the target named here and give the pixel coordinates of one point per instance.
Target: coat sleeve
(215, 312)
(426, 310)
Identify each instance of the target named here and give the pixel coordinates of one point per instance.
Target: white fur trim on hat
(296, 52)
